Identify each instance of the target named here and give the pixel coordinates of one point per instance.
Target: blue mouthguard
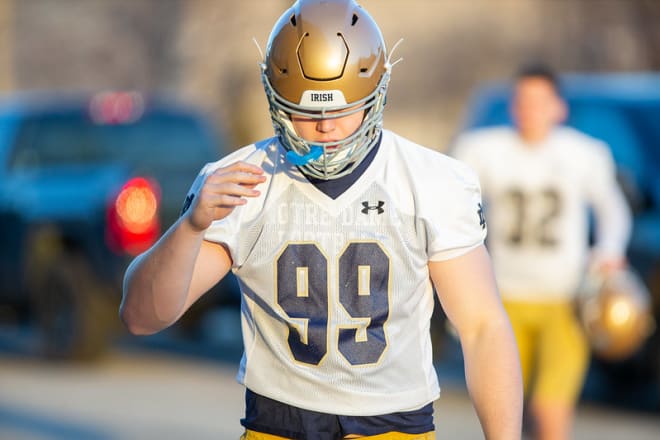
(298, 160)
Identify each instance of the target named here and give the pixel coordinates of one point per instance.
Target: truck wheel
(74, 314)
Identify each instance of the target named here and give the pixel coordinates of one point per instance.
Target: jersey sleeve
(612, 214)
(226, 230)
(455, 223)
(463, 149)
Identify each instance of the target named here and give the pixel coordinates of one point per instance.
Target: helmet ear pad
(326, 59)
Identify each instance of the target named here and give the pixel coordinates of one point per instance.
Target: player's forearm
(156, 284)
(614, 224)
(492, 371)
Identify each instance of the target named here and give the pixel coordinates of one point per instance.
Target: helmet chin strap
(299, 160)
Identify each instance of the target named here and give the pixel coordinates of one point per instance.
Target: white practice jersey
(336, 292)
(537, 199)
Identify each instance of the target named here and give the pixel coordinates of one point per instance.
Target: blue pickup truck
(622, 109)
(87, 182)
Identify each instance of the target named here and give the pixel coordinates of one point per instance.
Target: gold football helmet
(326, 59)
(616, 314)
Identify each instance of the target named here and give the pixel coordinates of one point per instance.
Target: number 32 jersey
(537, 199)
(336, 296)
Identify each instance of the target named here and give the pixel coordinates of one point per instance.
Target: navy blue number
(528, 229)
(302, 292)
(364, 271)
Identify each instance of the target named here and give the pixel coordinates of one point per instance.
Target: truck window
(156, 141)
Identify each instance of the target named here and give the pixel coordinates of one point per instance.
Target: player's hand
(611, 265)
(607, 266)
(222, 191)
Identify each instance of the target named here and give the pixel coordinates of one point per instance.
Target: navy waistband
(269, 416)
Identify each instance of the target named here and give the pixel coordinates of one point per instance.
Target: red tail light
(116, 107)
(132, 217)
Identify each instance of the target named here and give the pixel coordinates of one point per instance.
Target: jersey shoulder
(430, 173)
(570, 135)
(481, 147)
(442, 193)
(426, 165)
(582, 147)
(262, 153)
(486, 138)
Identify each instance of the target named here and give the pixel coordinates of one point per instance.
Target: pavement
(154, 389)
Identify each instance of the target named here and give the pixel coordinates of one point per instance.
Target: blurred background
(109, 108)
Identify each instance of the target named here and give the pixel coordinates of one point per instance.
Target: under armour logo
(378, 208)
(187, 203)
(482, 218)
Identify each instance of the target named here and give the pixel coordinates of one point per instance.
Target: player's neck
(335, 188)
(534, 137)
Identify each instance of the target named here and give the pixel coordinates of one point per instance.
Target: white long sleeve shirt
(537, 199)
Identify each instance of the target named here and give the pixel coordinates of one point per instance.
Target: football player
(538, 179)
(336, 230)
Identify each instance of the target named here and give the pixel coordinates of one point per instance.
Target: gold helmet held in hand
(326, 59)
(615, 312)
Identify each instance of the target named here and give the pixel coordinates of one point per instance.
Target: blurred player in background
(335, 229)
(538, 180)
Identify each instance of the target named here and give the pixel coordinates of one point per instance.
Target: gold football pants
(253, 435)
(554, 353)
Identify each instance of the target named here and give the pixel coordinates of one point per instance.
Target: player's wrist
(605, 263)
(194, 226)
